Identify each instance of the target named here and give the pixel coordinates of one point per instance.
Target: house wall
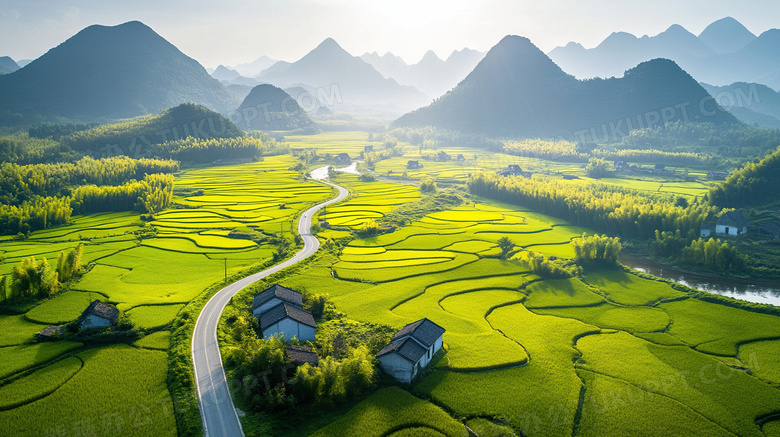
(729, 230)
(266, 306)
(290, 328)
(397, 367)
(93, 321)
(705, 233)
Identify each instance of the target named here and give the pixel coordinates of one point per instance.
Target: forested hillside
(753, 184)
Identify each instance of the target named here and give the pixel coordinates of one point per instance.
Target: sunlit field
(149, 276)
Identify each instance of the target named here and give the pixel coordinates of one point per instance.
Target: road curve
(217, 412)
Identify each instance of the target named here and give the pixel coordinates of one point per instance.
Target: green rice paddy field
(610, 353)
(122, 389)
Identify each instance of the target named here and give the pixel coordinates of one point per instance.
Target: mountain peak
(329, 44)
(726, 35)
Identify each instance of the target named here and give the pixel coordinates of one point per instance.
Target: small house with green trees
(411, 349)
(289, 321)
(412, 164)
(98, 315)
(273, 296)
(514, 170)
(732, 223)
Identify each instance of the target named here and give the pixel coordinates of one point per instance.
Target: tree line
(34, 279)
(598, 206)
(19, 183)
(753, 183)
(150, 195)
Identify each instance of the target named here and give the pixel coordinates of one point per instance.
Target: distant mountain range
(105, 73)
(518, 91)
(431, 75)
(725, 52)
(752, 103)
(7, 65)
(348, 80)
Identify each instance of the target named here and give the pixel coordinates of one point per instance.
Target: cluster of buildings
(280, 311)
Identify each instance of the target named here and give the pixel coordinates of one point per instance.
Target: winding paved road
(216, 406)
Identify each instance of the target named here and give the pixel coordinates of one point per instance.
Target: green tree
(506, 245)
(598, 168)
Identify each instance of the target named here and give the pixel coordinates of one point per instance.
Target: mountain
(332, 70)
(726, 35)
(23, 62)
(7, 65)
(133, 137)
(621, 51)
(518, 91)
(752, 103)
(223, 73)
(255, 67)
(431, 74)
(724, 53)
(389, 65)
(270, 108)
(104, 73)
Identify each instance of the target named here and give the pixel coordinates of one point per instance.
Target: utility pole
(226, 270)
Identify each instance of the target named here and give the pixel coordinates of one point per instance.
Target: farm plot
(17, 330)
(628, 289)
(727, 397)
(38, 384)
(15, 359)
(718, 329)
(149, 280)
(537, 399)
(159, 340)
(370, 201)
(392, 411)
(136, 402)
(153, 316)
(763, 359)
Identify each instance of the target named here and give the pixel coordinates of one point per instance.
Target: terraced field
(119, 389)
(600, 355)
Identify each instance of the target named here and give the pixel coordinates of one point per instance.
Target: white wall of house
(729, 230)
(290, 328)
(266, 306)
(402, 369)
(705, 233)
(397, 367)
(93, 321)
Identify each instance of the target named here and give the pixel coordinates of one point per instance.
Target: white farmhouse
(288, 320)
(98, 315)
(731, 223)
(411, 349)
(273, 296)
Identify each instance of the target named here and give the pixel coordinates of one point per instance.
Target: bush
(598, 168)
(428, 186)
(598, 249)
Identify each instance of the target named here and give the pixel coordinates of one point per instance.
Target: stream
(757, 290)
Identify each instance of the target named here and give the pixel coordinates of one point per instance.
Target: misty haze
(341, 218)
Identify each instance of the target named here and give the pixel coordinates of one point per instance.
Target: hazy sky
(233, 31)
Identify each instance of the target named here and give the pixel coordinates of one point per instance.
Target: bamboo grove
(39, 196)
(599, 206)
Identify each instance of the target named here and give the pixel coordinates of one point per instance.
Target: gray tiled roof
(423, 330)
(284, 310)
(733, 218)
(302, 354)
(285, 294)
(406, 348)
(100, 309)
